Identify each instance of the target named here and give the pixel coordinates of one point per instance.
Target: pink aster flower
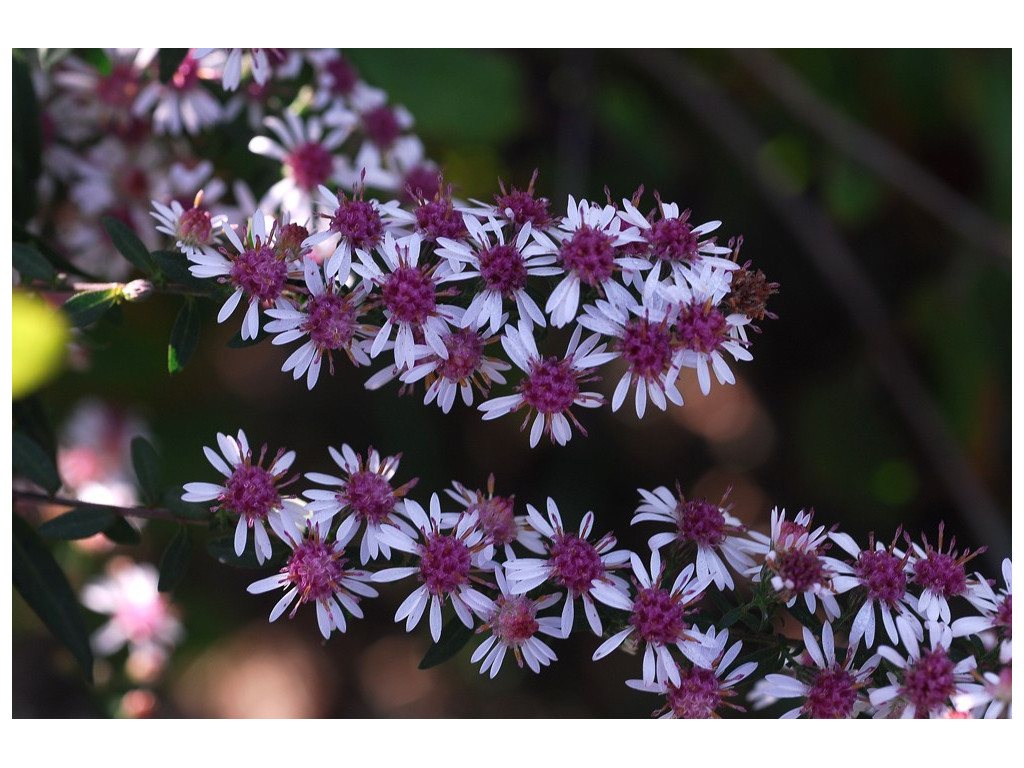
(358, 224)
(328, 319)
(657, 618)
(514, 626)
(104, 98)
(256, 269)
(927, 681)
(880, 572)
(990, 697)
(996, 613)
(551, 385)
(588, 238)
(366, 493)
(231, 76)
(182, 103)
(446, 563)
(250, 491)
(701, 691)
(409, 294)
(573, 563)
(141, 617)
(497, 518)
(316, 572)
(307, 160)
(502, 267)
(941, 575)
(194, 229)
(794, 561)
(465, 367)
(716, 534)
(830, 689)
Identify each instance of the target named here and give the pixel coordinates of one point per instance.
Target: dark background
(880, 396)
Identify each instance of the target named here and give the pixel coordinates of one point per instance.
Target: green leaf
(185, 510)
(174, 267)
(184, 337)
(222, 549)
(123, 532)
(22, 235)
(31, 461)
(80, 523)
(39, 580)
(31, 264)
(146, 464)
(454, 637)
(29, 416)
(89, 306)
(174, 561)
(129, 245)
(26, 142)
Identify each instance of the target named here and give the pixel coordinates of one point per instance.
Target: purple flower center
(525, 208)
(697, 696)
(589, 255)
(701, 521)
(316, 570)
(497, 518)
(409, 294)
(330, 321)
(250, 491)
(503, 269)
(672, 240)
(657, 616)
(310, 164)
(701, 327)
(120, 87)
(444, 563)
(195, 225)
(800, 570)
(358, 222)
(437, 218)
(942, 573)
(928, 682)
(422, 183)
(646, 347)
(576, 563)
(288, 242)
(381, 125)
(831, 696)
(515, 622)
(883, 575)
(550, 386)
(369, 495)
(343, 76)
(465, 348)
(259, 272)
(187, 74)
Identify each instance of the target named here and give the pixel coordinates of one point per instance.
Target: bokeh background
(873, 185)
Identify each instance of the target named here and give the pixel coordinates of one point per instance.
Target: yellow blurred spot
(38, 340)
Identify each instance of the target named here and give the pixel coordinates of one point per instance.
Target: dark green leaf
(129, 245)
(174, 561)
(174, 267)
(454, 637)
(222, 549)
(89, 306)
(30, 417)
(169, 60)
(26, 143)
(80, 523)
(22, 235)
(31, 461)
(184, 337)
(186, 510)
(46, 590)
(146, 464)
(31, 264)
(123, 532)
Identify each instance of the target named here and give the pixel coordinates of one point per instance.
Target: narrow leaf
(122, 532)
(129, 245)
(89, 306)
(31, 461)
(454, 636)
(22, 235)
(31, 265)
(80, 523)
(39, 580)
(174, 561)
(174, 267)
(184, 337)
(146, 464)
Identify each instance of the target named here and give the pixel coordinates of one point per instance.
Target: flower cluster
(515, 577)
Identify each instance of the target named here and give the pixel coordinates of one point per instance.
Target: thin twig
(840, 269)
(930, 193)
(149, 513)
